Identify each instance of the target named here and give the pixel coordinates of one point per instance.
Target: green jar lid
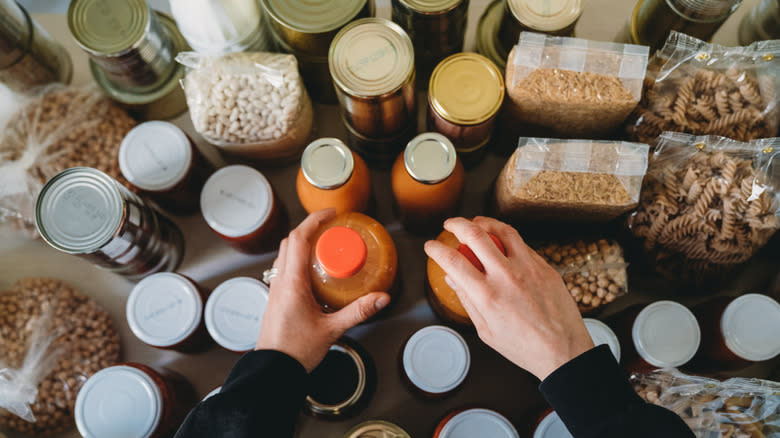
(313, 16)
(106, 27)
(430, 6)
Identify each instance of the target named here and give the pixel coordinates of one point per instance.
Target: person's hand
(520, 305)
(294, 323)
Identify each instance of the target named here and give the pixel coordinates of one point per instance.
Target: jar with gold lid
(553, 17)
(377, 429)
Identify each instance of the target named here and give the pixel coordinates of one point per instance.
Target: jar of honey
(601, 334)
(427, 181)
(475, 422)
(435, 361)
(551, 426)
(352, 255)
(332, 176)
(234, 313)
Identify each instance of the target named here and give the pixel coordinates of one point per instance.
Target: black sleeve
(262, 396)
(594, 398)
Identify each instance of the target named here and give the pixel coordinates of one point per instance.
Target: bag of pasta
(708, 203)
(706, 89)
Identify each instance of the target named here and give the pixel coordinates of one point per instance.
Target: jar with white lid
(551, 426)
(601, 334)
(435, 361)
(234, 313)
(470, 423)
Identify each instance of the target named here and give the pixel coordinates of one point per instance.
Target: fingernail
(381, 302)
(449, 282)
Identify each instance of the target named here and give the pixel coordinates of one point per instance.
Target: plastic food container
(470, 423)
(435, 361)
(234, 313)
(602, 334)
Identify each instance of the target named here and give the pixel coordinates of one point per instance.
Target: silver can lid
(79, 210)
(666, 334)
(430, 158)
(155, 156)
(327, 163)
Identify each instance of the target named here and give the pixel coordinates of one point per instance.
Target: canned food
(234, 313)
(422, 364)
(83, 211)
(379, 152)
(543, 16)
(601, 334)
(488, 42)
(377, 429)
(490, 424)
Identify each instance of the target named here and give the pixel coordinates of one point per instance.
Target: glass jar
(601, 334)
(332, 176)
(761, 23)
(153, 403)
(427, 182)
(240, 205)
(377, 429)
(551, 426)
(435, 361)
(161, 161)
(464, 423)
(82, 211)
(234, 313)
(165, 311)
(488, 42)
(542, 16)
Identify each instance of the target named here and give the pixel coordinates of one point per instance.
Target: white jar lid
(751, 327)
(155, 156)
(666, 334)
(212, 393)
(602, 334)
(236, 200)
(482, 423)
(552, 427)
(164, 309)
(436, 359)
(119, 402)
(234, 313)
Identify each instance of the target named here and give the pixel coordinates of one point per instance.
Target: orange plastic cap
(341, 252)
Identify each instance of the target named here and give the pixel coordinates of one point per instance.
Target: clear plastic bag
(706, 89)
(571, 180)
(574, 87)
(251, 104)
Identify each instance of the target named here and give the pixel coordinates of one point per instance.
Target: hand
(294, 323)
(519, 306)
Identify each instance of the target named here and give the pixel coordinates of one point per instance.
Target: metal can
(377, 429)
(488, 43)
(372, 64)
(315, 73)
(83, 211)
(761, 23)
(544, 16)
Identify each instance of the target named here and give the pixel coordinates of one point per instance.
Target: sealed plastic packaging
(571, 180)
(706, 89)
(571, 86)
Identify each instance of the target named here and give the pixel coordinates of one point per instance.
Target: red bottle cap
(469, 254)
(341, 252)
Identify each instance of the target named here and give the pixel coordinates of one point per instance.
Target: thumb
(359, 310)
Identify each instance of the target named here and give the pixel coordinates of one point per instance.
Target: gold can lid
(430, 158)
(313, 16)
(371, 57)
(466, 89)
(546, 15)
(107, 27)
(377, 429)
(430, 6)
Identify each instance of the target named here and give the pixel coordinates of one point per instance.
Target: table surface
(493, 382)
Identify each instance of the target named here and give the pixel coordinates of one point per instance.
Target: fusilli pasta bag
(706, 89)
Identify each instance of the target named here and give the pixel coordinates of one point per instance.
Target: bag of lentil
(573, 87)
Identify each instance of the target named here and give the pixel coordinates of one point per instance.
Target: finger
(473, 311)
(457, 267)
(281, 256)
(478, 240)
(297, 257)
(358, 311)
(513, 243)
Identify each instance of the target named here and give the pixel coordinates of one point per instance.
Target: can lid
(108, 27)
(546, 15)
(341, 251)
(314, 16)
(431, 6)
(430, 158)
(602, 334)
(79, 210)
(236, 200)
(483, 423)
(234, 313)
(164, 309)
(750, 327)
(371, 57)
(214, 392)
(436, 359)
(466, 89)
(552, 427)
(377, 429)
(155, 156)
(119, 402)
(666, 334)
(327, 163)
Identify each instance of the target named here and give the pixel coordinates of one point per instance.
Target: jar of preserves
(551, 426)
(82, 211)
(234, 313)
(377, 429)
(161, 161)
(542, 16)
(332, 176)
(435, 361)
(153, 403)
(427, 182)
(475, 422)
(165, 310)
(602, 334)
(240, 205)
(352, 255)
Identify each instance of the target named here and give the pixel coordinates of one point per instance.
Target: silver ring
(270, 274)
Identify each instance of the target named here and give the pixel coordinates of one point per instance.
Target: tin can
(379, 152)
(761, 23)
(542, 16)
(377, 429)
(83, 211)
(488, 42)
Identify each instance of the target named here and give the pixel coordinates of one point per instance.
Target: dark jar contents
(343, 383)
(463, 423)
(161, 161)
(154, 402)
(82, 211)
(551, 426)
(664, 334)
(435, 362)
(240, 205)
(234, 313)
(165, 311)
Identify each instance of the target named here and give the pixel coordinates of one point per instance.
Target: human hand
(294, 323)
(519, 305)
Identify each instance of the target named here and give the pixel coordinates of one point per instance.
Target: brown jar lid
(430, 158)
(546, 15)
(327, 163)
(466, 89)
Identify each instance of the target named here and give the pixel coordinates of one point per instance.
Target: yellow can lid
(466, 88)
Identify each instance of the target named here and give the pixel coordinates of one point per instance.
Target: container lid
(666, 334)
(552, 427)
(751, 327)
(164, 309)
(155, 156)
(482, 423)
(79, 210)
(341, 252)
(430, 158)
(436, 359)
(327, 163)
(214, 392)
(377, 429)
(236, 200)
(108, 27)
(430, 6)
(466, 89)
(119, 402)
(234, 313)
(602, 334)
(371, 57)
(546, 15)
(313, 16)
